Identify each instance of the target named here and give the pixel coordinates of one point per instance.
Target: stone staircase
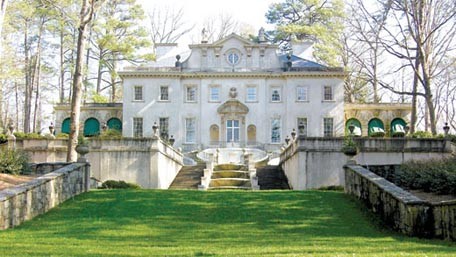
(189, 177)
(230, 176)
(272, 177)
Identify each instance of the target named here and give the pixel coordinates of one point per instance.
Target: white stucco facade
(233, 93)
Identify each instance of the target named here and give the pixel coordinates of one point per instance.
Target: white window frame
(279, 91)
(305, 126)
(325, 134)
(213, 87)
(162, 126)
(134, 93)
(247, 99)
(160, 94)
(187, 141)
(279, 133)
(304, 94)
(187, 88)
(324, 93)
(135, 128)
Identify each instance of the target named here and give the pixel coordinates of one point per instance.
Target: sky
(196, 11)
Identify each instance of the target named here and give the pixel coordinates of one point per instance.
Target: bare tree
(88, 9)
(167, 25)
(422, 34)
(220, 26)
(3, 5)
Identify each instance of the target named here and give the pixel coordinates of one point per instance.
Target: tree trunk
(413, 117)
(28, 81)
(86, 16)
(61, 66)
(99, 73)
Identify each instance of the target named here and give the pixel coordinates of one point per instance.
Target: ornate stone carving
(233, 92)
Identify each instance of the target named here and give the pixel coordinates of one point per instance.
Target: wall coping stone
(395, 191)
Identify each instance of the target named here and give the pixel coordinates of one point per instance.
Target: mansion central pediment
(233, 106)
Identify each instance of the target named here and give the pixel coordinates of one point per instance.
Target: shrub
(377, 134)
(110, 134)
(3, 138)
(13, 162)
(436, 176)
(22, 135)
(422, 134)
(113, 184)
(62, 136)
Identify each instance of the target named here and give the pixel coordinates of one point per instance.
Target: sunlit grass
(194, 223)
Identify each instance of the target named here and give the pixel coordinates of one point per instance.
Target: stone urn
(82, 150)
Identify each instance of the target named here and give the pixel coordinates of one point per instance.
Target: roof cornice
(302, 74)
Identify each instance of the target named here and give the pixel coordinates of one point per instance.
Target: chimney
(163, 49)
(303, 49)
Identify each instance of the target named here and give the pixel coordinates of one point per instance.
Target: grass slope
(194, 223)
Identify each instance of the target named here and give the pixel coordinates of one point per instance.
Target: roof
(299, 62)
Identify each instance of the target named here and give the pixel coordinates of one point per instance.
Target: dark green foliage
(3, 138)
(422, 134)
(437, 176)
(62, 136)
(113, 184)
(13, 161)
(22, 135)
(110, 134)
(332, 188)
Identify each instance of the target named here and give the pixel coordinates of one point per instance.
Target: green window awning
(91, 127)
(398, 127)
(115, 123)
(376, 127)
(357, 130)
(66, 126)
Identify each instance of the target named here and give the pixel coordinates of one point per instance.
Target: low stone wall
(317, 162)
(47, 167)
(25, 201)
(400, 209)
(148, 162)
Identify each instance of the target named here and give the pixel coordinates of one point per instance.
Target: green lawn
(227, 223)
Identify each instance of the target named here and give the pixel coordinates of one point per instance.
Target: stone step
(230, 166)
(189, 177)
(230, 188)
(237, 182)
(272, 177)
(230, 174)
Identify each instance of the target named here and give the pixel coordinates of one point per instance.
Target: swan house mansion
(235, 93)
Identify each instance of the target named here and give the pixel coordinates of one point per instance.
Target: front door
(232, 133)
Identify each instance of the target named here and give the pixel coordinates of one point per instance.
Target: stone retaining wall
(317, 162)
(25, 201)
(47, 167)
(400, 209)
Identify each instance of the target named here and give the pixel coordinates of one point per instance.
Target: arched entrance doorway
(232, 119)
(91, 127)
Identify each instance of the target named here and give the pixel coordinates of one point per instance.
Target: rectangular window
(275, 96)
(328, 127)
(190, 130)
(275, 131)
(137, 127)
(214, 94)
(301, 93)
(251, 94)
(164, 96)
(138, 93)
(302, 126)
(328, 93)
(190, 94)
(163, 127)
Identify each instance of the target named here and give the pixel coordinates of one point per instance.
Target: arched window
(376, 128)
(115, 123)
(91, 127)
(251, 134)
(214, 134)
(357, 131)
(398, 127)
(66, 126)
